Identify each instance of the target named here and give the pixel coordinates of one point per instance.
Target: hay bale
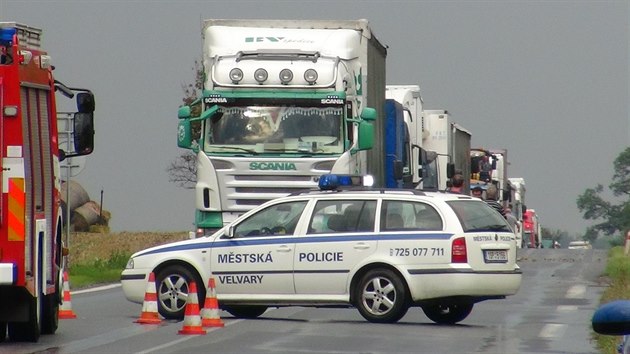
(85, 215)
(76, 196)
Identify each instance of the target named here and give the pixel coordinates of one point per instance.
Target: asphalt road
(550, 314)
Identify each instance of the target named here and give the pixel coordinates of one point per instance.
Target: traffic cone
(149, 313)
(65, 310)
(192, 318)
(210, 312)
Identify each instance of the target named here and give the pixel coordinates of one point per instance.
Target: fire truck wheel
(50, 314)
(3, 331)
(27, 331)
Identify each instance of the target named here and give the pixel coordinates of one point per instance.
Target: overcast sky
(547, 80)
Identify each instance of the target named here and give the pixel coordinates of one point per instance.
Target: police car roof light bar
(333, 181)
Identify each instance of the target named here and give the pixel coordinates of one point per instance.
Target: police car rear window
(477, 216)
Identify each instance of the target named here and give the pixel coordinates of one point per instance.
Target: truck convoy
(283, 103)
(31, 218)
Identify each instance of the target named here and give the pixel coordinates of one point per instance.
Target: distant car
(580, 245)
(380, 251)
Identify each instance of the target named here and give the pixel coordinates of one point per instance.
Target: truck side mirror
(84, 132)
(85, 102)
(183, 112)
(369, 114)
(184, 134)
(366, 135)
(450, 170)
(398, 170)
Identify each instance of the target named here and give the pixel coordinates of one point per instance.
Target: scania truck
(283, 102)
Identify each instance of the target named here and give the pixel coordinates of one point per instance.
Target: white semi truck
(450, 144)
(518, 206)
(283, 103)
(409, 96)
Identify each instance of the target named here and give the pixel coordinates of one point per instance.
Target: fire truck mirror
(83, 133)
(85, 102)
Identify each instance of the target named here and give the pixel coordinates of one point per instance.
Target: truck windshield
(276, 129)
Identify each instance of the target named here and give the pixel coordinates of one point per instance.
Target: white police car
(381, 251)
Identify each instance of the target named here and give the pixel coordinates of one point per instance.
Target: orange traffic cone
(210, 312)
(65, 311)
(192, 318)
(149, 313)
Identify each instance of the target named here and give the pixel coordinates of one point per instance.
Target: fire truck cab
(31, 219)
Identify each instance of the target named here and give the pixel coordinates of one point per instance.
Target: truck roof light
(236, 75)
(260, 75)
(286, 76)
(310, 76)
(333, 181)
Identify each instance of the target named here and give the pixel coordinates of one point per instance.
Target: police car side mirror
(230, 231)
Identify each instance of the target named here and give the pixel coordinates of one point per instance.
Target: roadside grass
(99, 258)
(98, 271)
(618, 272)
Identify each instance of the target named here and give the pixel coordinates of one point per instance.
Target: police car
(381, 251)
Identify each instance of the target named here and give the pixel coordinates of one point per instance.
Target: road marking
(576, 292)
(170, 344)
(552, 330)
(566, 308)
(100, 288)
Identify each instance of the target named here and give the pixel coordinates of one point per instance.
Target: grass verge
(97, 258)
(618, 272)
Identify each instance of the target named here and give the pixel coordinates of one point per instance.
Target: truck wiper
(253, 152)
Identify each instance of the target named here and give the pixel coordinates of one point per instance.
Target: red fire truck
(532, 237)
(31, 219)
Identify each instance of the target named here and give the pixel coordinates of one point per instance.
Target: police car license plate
(495, 256)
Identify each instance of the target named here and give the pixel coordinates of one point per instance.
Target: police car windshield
(276, 129)
(477, 216)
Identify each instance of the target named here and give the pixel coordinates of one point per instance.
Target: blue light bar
(332, 181)
(6, 35)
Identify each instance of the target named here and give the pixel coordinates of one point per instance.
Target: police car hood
(173, 246)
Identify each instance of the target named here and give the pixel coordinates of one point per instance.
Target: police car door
(340, 235)
(259, 259)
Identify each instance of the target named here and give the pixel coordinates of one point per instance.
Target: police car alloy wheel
(381, 296)
(447, 313)
(244, 311)
(173, 285)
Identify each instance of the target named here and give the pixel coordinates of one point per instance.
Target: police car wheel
(381, 296)
(173, 284)
(243, 311)
(446, 313)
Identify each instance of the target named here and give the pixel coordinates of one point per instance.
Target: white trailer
(451, 144)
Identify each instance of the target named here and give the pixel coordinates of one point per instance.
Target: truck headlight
(129, 264)
(236, 75)
(310, 76)
(260, 75)
(286, 75)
